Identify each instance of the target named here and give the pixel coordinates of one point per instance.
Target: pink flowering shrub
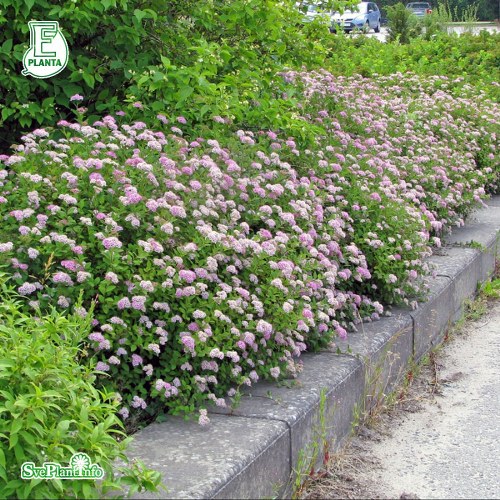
(213, 263)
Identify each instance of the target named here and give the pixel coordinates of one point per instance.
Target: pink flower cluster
(215, 262)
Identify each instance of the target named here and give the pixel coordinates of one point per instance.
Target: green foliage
(436, 22)
(488, 10)
(50, 409)
(485, 10)
(403, 25)
(193, 58)
(108, 41)
(198, 58)
(491, 289)
(475, 58)
(465, 10)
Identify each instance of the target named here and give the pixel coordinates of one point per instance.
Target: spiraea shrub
(214, 262)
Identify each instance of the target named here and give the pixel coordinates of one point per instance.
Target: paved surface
(452, 448)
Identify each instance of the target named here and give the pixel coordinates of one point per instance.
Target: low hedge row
(214, 262)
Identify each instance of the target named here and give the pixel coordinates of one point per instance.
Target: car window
(361, 8)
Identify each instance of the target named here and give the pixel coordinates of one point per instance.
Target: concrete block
(452, 262)
(318, 406)
(385, 348)
(466, 267)
(483, 228)
(494, 201)
(221, 460)
(432, 318)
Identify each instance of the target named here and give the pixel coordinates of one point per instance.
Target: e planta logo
(80, 467)
(48, 52)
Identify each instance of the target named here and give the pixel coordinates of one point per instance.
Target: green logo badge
(80, 467)
(48, 52)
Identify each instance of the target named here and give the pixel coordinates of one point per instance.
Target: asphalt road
(452, 448)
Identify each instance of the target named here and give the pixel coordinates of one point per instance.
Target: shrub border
(278, 432)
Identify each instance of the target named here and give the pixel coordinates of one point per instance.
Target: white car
(365, 16)
(311, 12)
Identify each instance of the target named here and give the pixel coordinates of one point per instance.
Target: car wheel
(377, 28)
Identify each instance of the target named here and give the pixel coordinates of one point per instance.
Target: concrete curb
(278, 432)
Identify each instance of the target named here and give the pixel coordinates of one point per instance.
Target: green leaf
(103, 94)
(49, 101)
(183, 94)
(139, 14)
(19, 453)
(27, 6)
(71, 89)
(63, 425)
(13, 439)
(7, 46)
(6, 112)
(16, 426)
(29, 438)
(165, 61)
(89, 79)
(108, 3)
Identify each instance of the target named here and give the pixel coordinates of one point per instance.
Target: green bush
(437, 21)
(403, 25)
(473, 58)
(197, 58)
(50, 409)
(215, 262)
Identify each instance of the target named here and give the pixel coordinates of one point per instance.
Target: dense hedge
(202, 57)
(214, 262)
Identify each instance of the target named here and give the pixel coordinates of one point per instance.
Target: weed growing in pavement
(379, 377)
(318, 446)
(476, 245)
(491, 289)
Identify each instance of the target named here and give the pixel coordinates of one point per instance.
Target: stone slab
(464, 266)
(221, 460)
(489, 252)
(432, 318)
(385, 347)
(452, 262)
(318, 406)
(494, 201)
(482, 226)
